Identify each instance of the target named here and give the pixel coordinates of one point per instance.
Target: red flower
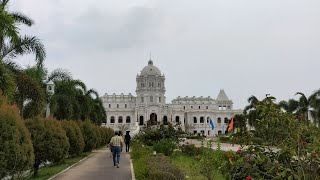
(248, 177)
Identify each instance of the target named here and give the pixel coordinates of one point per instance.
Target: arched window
(194, 132)
(128, 119)
(177, 119)
(152, 84)
(201, 119)
(226, 120)
(120, 119)
(219, 120)
(112, 119)
(149, 84)
(151, 98)
(141, 122)
(165, 120)
(194, 119)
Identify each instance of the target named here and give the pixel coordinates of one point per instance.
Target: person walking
(117, 145)
(127, 139)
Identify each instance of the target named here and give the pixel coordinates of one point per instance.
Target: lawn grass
(189, 165)
(51, 170)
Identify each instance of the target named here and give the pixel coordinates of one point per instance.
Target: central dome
(150, 70)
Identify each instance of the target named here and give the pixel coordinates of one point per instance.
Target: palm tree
(309, 105)
(250, 110)
(289, 106)
(72, 100)
(11, 43)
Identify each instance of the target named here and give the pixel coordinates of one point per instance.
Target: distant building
(149, 104)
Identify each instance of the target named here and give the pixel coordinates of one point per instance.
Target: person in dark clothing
(127, 139)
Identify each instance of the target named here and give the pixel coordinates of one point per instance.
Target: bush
(75, 137)
(165, 146)
(224, 139)
(109, 133)
(50, 141)
(154, 134)
(194, 137)
(90, 135)
(191, 150)
(16, 151)
(160, 168)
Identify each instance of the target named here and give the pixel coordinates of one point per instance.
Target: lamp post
(50, 91)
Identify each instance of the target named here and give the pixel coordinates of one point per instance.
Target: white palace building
(150, 104)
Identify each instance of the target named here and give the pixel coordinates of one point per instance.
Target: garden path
(99, 166)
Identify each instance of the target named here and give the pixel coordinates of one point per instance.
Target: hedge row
(25, 145)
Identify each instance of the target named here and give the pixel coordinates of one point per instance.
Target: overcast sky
(246, 47)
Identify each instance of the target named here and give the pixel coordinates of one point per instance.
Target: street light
(50, 91)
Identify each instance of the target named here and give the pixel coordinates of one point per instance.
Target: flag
(211, 123)
(231, 124)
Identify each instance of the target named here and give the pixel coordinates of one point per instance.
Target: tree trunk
(35, 169)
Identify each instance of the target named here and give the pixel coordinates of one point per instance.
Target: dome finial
(150, 62)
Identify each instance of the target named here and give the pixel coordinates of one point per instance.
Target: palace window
(184, 107)
(195, 132)
(159, 99)
(117, 105)
(112, 119)
(207, 107)
(219, 120)
(142, 100)
(151, 98)
(125, 105)
(128, 119)
(191, 107)
(201, 119)
(152, 84)
(199, 107)
(109, 105)
(226, 120)
(177, 119)
(120, 119)
(194, 119)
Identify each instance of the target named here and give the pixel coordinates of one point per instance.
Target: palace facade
(190, 113)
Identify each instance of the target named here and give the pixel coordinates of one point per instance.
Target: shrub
(160, 168)
(194, 137)
(224, 139)
(165, 146)
(50, 141)
(109, 133)
(16, 151)
(154, 134)
(89, 135)
(191, 150)
(75, 137)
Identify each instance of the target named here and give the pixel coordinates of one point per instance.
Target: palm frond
(26, 45)
(59, 75)
(21, 18)
(92, 91)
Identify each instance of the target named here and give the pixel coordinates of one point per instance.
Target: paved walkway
(99, 166)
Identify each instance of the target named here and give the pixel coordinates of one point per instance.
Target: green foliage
(154, 134)
(160, 168)
(224, 139)
(165, 146)
(16, 151)
(191, 150)
(75, 137)
(290, 150)
(90, 135)
(50, 141)
(212, 163)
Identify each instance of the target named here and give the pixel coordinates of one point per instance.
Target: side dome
(150, 70)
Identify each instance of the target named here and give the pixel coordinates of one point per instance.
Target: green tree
(309, 105)
(16, 151)
(50, 141)
(75, 137)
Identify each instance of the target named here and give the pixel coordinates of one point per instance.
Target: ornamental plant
(50, 141)
(75, 137)
(16, 151)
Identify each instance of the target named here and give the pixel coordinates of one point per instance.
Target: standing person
(127, 139)
(117, 145)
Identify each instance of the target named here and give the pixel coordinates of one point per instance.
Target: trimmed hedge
(75, 137)
(90, 135)
(16, 151)
(50, 141)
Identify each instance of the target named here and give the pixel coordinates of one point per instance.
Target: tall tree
(309, 106)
